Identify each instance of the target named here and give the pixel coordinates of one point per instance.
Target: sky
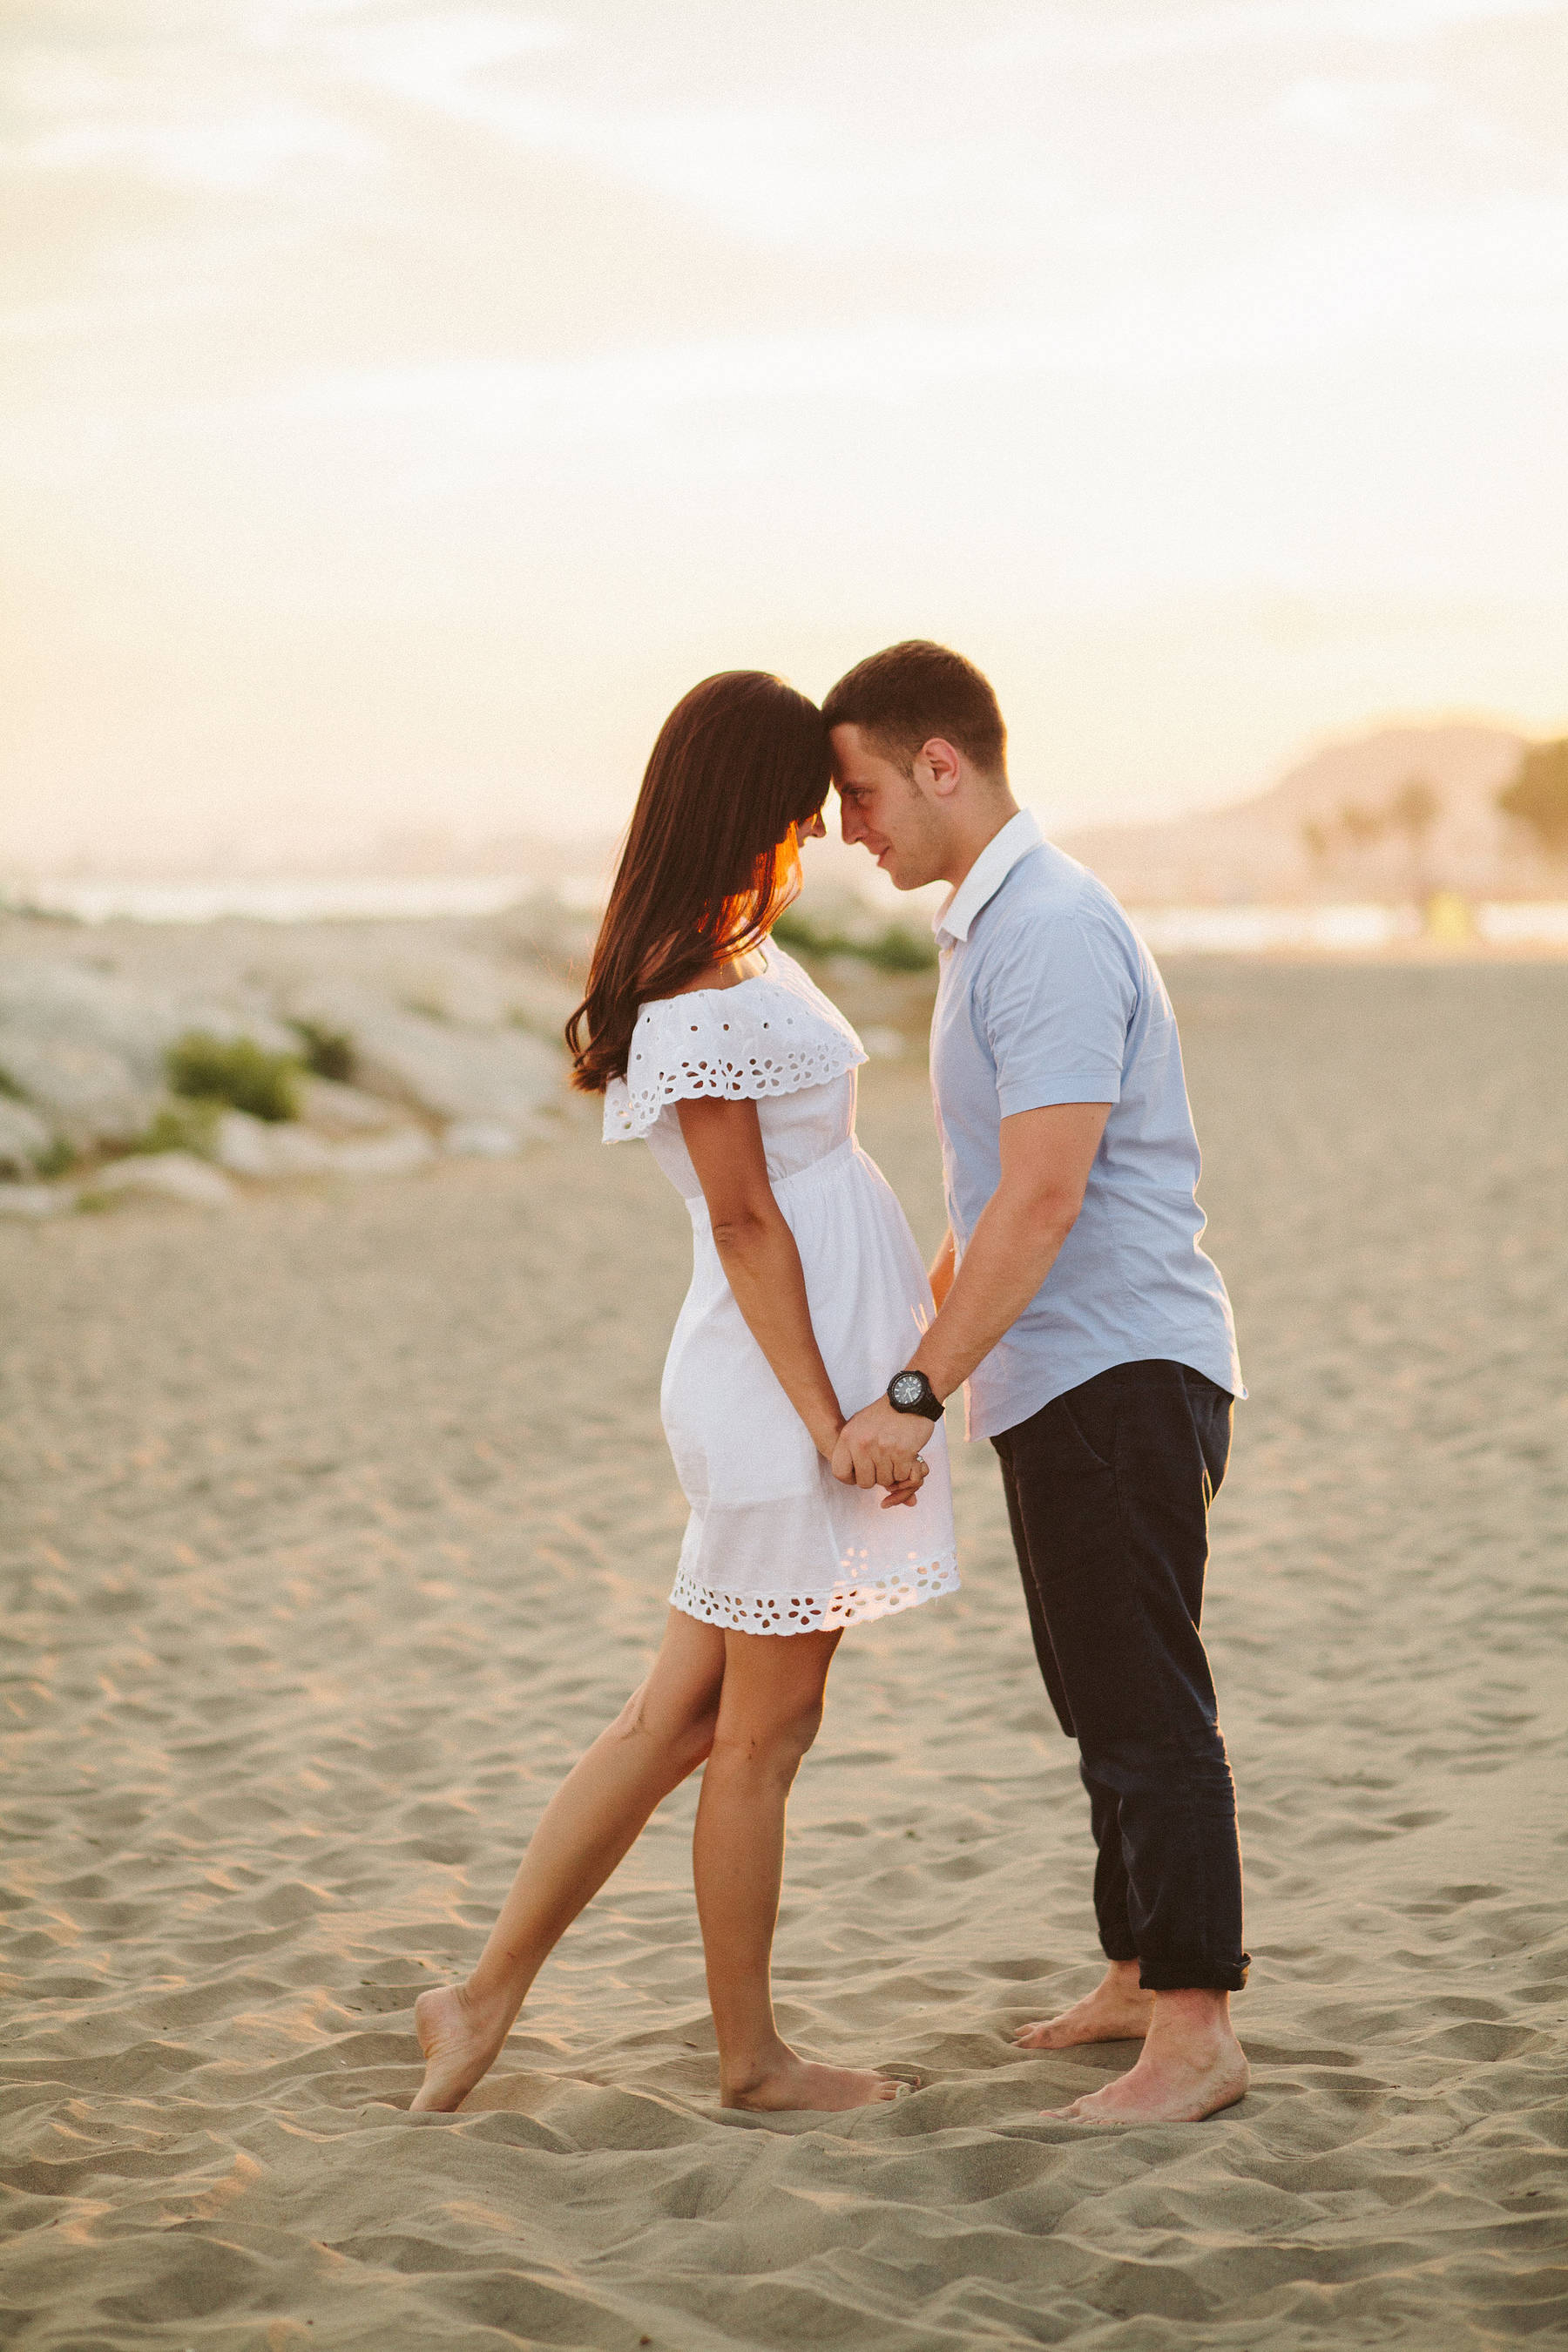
(402, 404)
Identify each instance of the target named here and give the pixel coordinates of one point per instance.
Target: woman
(807, 1294)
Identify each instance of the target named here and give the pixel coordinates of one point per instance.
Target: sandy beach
(337, 1520)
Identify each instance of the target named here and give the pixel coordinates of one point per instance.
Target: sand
(336, 1523)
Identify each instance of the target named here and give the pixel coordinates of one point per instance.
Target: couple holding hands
(803, 1391)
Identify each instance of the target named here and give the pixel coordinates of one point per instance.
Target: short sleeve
(1055, 1002)
(739, 1045)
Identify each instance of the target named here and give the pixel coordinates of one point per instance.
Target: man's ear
(945, 765)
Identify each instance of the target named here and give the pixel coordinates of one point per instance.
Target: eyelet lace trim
(687, 1046)
(811, 1612)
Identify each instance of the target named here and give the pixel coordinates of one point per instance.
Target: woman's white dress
(775, 1544)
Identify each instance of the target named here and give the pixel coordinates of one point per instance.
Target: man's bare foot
(459, 2046)
(1191, 2065)
(790, 2083)
(1118, 2009)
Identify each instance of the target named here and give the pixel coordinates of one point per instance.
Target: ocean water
(1356, 928)
(412, 898)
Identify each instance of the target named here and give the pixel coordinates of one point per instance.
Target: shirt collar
(985, 877)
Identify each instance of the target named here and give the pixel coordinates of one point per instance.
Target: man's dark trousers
(1108, 1490)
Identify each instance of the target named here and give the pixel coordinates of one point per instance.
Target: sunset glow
(403, 405)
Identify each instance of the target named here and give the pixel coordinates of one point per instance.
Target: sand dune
(337, 1521)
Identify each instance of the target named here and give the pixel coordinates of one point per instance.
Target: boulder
(36, 1200)
(172, 1175)
(481, 1138)
(255, 1148)
(333, 1110)
(260, 1147)
(396, 1154)
(448, 1071)
(23, 1139)
(89, 1048)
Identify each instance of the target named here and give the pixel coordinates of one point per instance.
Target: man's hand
(877, 1446)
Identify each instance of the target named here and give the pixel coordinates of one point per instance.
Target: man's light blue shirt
(1048, 995)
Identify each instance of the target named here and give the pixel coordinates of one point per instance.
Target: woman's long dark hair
(710, 860)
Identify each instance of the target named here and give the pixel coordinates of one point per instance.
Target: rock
(23, 1139)
(253, 1147)
(453, 984)
(537, 1000)
(397, 1154)
(89, 1048)
(36, 1200)
(334, 1110)
(92, 1092)
(481, 1138)
(448, 1071)
(173, 1175)
(260, 1147)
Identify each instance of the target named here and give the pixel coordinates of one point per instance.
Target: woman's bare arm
(760, 1262)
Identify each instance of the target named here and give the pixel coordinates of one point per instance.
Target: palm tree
(1413, 811)
(1538, 796)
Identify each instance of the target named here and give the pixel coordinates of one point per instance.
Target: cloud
(229, 151)
(1263, 25)
(1353, 111)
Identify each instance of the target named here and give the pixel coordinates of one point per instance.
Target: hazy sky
(401, 404)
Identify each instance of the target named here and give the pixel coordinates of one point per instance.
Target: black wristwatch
(912, 1392)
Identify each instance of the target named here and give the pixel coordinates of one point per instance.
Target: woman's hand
(762, 1264)
(908, 1489)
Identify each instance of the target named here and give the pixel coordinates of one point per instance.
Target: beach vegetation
(1537, 798)
(236, 1072)
(58, 1157)
(188, 1124)
(8, 1087)
(893, 947)
(326, 1051)
(1411, 812)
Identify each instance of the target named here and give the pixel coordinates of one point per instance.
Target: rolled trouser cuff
(1194, 1975)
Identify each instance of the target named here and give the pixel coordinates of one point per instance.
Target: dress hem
(847, 1602)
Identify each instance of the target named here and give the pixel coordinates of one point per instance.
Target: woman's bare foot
(1118, 2009)
(790, 2082)
(459, 2046)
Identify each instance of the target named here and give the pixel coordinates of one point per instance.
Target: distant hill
(1325, 830)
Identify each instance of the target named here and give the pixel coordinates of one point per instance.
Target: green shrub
(235, 1071)
(58, 1159)
(9, 1088)
(895, 948)
(189, 1125)
(326, 1053)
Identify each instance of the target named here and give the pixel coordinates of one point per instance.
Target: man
(1094, 1338)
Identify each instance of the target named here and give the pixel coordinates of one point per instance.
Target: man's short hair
(904, 696)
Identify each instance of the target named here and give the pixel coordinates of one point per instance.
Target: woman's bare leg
(594, 1820)
(768, 1712)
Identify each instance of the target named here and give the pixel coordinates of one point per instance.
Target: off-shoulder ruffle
(738, 1043)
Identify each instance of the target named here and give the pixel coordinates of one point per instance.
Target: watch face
(908, 1389)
